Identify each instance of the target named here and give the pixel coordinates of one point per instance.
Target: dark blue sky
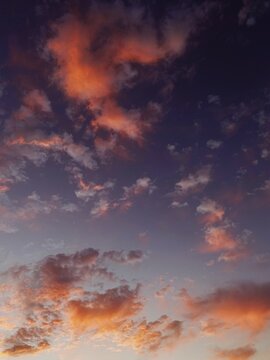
(134, 179)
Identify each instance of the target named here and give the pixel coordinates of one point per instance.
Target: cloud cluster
(69, 296)
(218, 233)
(28, 139)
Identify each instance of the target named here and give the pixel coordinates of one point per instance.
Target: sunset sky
(135, 179)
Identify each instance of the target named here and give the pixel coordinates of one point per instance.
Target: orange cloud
(244, 305)
(52, 299)
(95, 58)
(218, 234)
(104, 312)
(78, 152)
(218, 238)
(152, 336)
(25, 349)
(241, 353)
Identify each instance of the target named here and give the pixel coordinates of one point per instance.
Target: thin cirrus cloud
(57, 302)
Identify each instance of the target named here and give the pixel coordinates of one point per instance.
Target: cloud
(33, 102)
(124, 257)
(243, 305)
(87, 190)
(104, 204)
(14, 214)
(212, 211)
(241, 353)
(218, 238)
(152, 336)
(24, 349)
(141, 186)
(77, 152)
(214, 144)
(100, 208)
(65, 296)
(163, 291)
(104, 312)
(194, 182)
(211, 327)
(98, 56)
(219, 235)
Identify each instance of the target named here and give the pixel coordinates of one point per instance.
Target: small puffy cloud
(240, 353)
(124, 257)
(178, 205)
(214, 144)
(37, 99)
(211, 211)
(213, 99)
(194, 182)
(265, 186)
(100, 208)
(141, 186)
(89, 190)
(161, 293)
(241, 252)
(33, 102)
(221, 239)
(172, 150)
(211, 327)
(218, 238)
(104, 204)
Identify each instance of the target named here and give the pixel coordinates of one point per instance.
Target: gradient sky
(134, 179)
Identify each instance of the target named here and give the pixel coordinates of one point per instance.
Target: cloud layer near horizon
(76, 295)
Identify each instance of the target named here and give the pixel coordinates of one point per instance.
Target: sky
(134, 179)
